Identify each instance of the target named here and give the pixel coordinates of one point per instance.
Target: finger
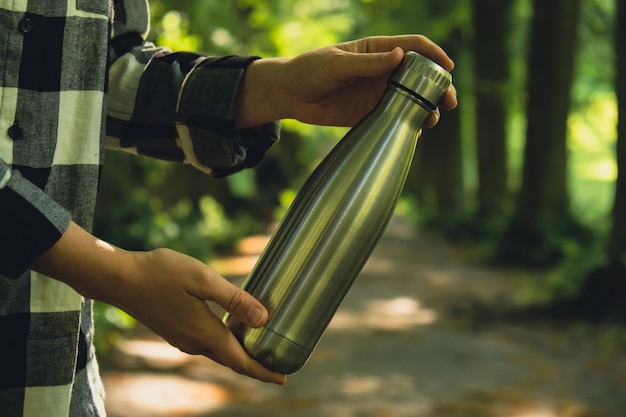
(215, 341)
(229, 352)
(240, 304)
(350, 65)
(210, 337)
(449, 100)
(417, 43)
(432, 119)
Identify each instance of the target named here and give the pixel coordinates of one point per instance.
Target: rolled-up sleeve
(30, 220)
(178, 106)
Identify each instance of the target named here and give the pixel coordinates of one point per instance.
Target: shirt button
(26, 25)
(15, 131)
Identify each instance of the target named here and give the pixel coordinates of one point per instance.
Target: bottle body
(329, 232)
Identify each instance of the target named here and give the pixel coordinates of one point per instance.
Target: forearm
(92, 267)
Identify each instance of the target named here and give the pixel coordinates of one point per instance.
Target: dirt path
(401, 345)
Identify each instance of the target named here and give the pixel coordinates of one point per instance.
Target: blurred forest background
(525, 170)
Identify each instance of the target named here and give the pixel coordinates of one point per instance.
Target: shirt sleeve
(32, 222)
(177, 106)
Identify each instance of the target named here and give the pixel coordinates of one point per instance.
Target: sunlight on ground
(400, 313)
(252, 245)
(249, 250)
(511, 402)
(155, 354)
(536, 414)
(154, 379)
(355, 386)
(368, 395)
(161, 395)
(235, 265)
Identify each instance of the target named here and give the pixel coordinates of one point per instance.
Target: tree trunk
(617, 236)
(492, 24)
(543, 202)
(602, 295)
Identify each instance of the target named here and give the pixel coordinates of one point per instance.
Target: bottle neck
(402, 104)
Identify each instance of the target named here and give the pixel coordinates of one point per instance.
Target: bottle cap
(421, 77)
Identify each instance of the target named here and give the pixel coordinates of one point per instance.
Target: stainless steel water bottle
(331, 228)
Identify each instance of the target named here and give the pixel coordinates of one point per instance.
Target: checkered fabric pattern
(63, 96)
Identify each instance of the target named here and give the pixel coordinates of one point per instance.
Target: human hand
(165, 290)
(338, 85)
(169, 297)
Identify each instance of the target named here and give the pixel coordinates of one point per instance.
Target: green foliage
(596, 53)
(198, 228)
(111, 324)
(565, 281)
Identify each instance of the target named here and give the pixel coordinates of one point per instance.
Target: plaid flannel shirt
(54, 111)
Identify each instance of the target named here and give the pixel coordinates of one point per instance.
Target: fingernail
(255, 315)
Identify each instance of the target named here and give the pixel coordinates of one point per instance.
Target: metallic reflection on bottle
(336, 220)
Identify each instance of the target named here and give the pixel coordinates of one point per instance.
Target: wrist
(261, 97)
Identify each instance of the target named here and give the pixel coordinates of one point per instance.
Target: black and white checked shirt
(76, 75)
